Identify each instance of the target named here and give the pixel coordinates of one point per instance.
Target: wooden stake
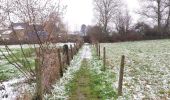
(59, 59)
(71, 51)
(74, 48)
(67, 55)
(121, 76)
(104, 58)
(99, 51)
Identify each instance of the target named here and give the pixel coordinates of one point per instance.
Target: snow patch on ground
(7, 89)
(32, 45)
(12, 89)
(86, 52)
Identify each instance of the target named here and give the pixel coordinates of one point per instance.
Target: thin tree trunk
(159, 16)
(168, 19)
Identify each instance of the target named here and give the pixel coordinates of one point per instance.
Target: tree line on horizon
(113, 19)
(114, 22)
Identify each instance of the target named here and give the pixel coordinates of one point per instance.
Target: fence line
(121, 71)
(104, 58)
(49, 66)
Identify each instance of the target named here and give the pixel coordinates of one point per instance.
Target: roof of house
(39, 33)
(6, 32)
(19, 26)
(24, 25)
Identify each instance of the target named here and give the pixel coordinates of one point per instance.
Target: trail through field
(91, 82)
(60, 91)
(84, 79)
(86, 54)
(82, 89)
(82, 84)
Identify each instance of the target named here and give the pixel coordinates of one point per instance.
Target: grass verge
(90, 83)
(8, 71)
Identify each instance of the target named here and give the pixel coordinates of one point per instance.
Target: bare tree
(94, 33)
(32, 12)
(157, 10)
(105, 10)
(123, 22)
(167, 20)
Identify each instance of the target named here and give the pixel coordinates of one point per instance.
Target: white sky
(81, 12)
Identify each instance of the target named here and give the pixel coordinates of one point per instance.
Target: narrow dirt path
(82, 88)
(61, 89)
(84, 80)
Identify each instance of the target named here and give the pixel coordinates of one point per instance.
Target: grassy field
(147, 68)
(146, 74)
(7, 70)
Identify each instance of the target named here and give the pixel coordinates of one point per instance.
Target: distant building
(42, 35)
(23, 31)
(5, 35)
(19, 26)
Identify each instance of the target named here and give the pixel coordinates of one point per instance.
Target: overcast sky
(81, 12)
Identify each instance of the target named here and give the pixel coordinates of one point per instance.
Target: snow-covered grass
(7, 70)
(62, 44)
(102, 80)
(10, 77)
(15, 89)
(59, 92)
(34, 45)
(147, 68)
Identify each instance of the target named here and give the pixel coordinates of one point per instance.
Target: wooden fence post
(121, 75)
(66, 53)
(71, 51)
(39, 88)
(97, 48)
(59, 59)
(75, 48)
(104, 58)
(99, 51)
